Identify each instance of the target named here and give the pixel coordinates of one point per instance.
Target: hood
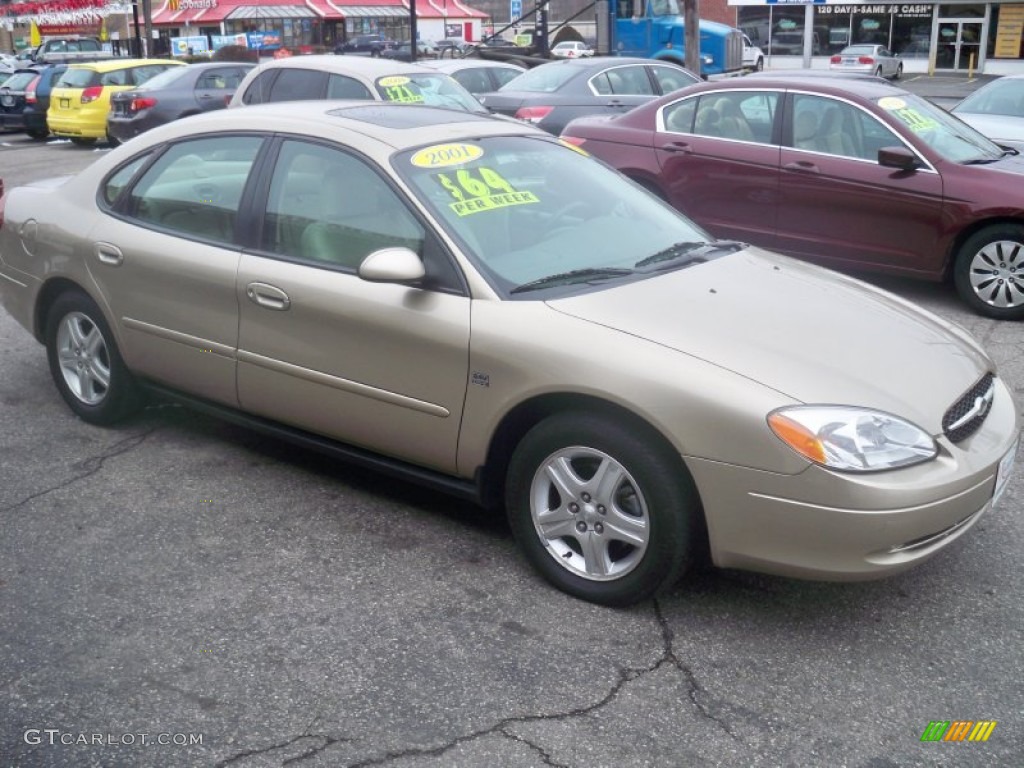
(812, 334)
(999, 128)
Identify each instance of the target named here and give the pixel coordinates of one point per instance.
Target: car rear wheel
(989, 271)
(899, 72)
(85, 363)
(878, 72)
(602, 511)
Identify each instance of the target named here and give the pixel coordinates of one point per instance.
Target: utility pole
(691, 35)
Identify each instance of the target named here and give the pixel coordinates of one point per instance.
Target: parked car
(477, 75)
(874, 59)
(365, 45)
(452, 47)
(753, 57)
(12, 99)
(852, 172)
(997, 110)
(337, 77)
(470, 303)
(554, 93)
(403, 51)
(7, 65)
(37, 100)
(571, 49)
(80, 100)
(173, 94)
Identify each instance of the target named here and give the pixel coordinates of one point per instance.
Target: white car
(572, 49)
(753, 57)
(997, 110)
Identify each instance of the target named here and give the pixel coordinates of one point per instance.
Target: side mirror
(392, 265)
(898, 157)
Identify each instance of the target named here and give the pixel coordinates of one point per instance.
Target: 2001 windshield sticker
(481, 189)
(397, 88)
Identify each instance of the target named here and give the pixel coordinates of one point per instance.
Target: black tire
(651, 501)
(113, 141)
(82, 141)
(989, 271)
(878, 72)
(79, 344)
(759, 66)
(899, 72)
(38, 133)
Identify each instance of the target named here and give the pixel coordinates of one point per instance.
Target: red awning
(193, 12)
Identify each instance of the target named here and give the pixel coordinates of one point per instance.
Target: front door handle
(268, 296)
(677, 146)
(802, 165)
(109, 254)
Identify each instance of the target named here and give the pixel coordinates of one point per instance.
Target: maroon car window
(739, 115)
(834, 127)
(678, 117)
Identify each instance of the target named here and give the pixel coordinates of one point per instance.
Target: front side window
(341, 87)
(672, 78)
(329, 207)
(194, 189)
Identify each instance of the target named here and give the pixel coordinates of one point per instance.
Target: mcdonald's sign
(958, 730)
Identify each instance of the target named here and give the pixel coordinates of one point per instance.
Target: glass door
(959, 44)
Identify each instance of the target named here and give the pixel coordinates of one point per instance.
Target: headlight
(854, 439)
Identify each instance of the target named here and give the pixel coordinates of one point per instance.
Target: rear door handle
(109, 254)
(802, 165)
(268, 296)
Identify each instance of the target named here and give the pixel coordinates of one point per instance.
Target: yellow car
(81, 98)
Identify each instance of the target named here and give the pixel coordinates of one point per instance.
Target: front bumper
(822, 524)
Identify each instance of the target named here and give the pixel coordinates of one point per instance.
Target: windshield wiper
(682, 254)
(574, 276)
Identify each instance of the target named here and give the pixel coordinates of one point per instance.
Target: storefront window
(1006, 32)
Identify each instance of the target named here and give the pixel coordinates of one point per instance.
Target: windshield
(942, 132)
(537, 215)
(1002, 97)
(431, 89)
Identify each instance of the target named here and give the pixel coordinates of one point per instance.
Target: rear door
(720, 161)
(839, 206)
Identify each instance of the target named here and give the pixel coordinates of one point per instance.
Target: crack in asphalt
(90, 467)
(503, 726)
(314, 750)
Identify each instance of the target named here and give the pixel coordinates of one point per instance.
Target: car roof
(454, 65)
(380, 125)
(110, 65)
(367, 66)
(817, 77)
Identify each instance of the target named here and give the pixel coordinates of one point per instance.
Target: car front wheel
(989, 272)
(604, 512)
(85, 363)
(759, 66)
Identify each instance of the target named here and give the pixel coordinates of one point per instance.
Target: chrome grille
(967, 414)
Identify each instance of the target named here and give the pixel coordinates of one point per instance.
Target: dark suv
(34, 98)
(12, 99)
(366, 45)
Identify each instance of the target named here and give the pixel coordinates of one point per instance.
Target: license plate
(1004, 470)
(65, 103)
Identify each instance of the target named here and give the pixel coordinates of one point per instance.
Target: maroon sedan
(850, 172)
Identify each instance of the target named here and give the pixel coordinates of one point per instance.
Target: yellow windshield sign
(444, 155)
(482, 189)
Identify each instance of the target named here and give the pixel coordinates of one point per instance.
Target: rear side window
(194, 189)
(672, 78)
(139, 75)
(117, 77)
(630, 81)
(258, 91)
(78, 78)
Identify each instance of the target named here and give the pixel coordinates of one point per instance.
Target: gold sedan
(470, 303)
